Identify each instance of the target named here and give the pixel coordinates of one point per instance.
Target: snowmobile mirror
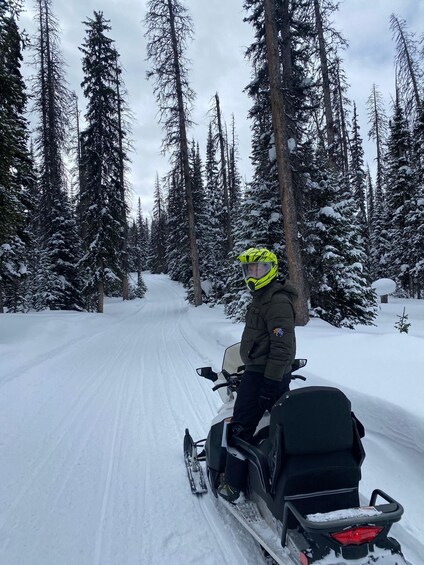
(298, 364)
(207, 373)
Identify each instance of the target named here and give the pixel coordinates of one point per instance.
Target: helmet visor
(256, 270)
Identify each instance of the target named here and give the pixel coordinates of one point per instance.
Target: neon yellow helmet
(260, 267)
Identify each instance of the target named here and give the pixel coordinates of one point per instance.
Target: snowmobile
(304, 466)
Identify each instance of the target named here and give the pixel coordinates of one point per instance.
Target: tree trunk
(293, 249)
(185, 164)
(1, 298)
(100, 297)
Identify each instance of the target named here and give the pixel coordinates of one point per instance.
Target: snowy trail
(91, 429)
(92, 457)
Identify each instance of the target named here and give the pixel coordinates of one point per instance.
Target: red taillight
(303, 558)
(357, 536)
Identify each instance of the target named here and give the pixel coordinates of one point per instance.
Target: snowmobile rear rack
(385, 514)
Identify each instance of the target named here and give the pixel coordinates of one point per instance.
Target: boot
(229, 493)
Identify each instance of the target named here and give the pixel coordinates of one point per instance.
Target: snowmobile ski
(193, 466)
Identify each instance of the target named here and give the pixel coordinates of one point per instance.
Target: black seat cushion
(314, 420)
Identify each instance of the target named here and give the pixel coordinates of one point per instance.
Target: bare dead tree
(168, 28)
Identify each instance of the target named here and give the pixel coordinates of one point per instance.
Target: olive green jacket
(268, 343)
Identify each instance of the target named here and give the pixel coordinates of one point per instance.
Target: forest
(68, 236)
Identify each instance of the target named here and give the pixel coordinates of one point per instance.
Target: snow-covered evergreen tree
(358, 180)
(59, 245)
(214, 247)
(202, 220)
(357, 171)
(400, 185)
(16, 169)
(416, 217)
(157, 260)
(138, 246)
(340, 291)
(178, 242)
(102, 198)
(377, 120)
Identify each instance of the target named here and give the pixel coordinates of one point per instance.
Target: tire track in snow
(59, 434)
(108, 483)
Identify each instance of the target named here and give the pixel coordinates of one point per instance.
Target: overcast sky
(218, 65)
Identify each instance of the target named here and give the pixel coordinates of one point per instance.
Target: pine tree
(16, 169)
(377, 120)
(378, 132)
(138, 238)
(400, 194)
(358, 180)
(214, 243)
(340, 293)
(416, 218)
(141, 241)
(157, 260)
(200, 211)
(380, 243)
(178, 241)
(58, 240)
(102, 205)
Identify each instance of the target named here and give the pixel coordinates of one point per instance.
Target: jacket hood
(289, 288)
(278, 285)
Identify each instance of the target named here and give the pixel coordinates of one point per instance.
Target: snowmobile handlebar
(231, 383)
(234, 379)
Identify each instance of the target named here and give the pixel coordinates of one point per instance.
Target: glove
(268, 393)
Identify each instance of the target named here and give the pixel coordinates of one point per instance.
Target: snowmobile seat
(314, 452)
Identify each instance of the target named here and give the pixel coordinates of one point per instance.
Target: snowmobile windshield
(255, 270)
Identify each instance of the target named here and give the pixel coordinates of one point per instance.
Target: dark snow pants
(246, 416)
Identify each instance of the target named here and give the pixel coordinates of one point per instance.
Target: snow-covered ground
(93, 410)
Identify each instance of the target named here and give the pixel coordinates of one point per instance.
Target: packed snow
(362, 512)
(93, 409)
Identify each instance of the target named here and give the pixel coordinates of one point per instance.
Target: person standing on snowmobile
(267, 349)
